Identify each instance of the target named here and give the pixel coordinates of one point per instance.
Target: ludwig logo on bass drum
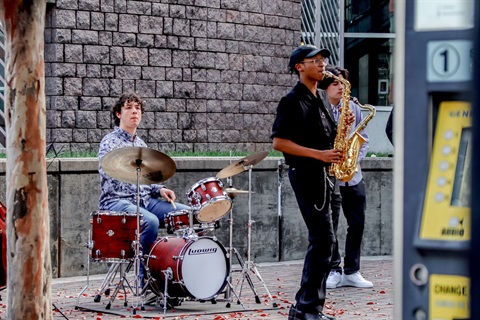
(201, 251)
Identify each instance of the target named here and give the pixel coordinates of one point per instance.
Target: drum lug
(89, 245)
(122, 254)
(177, 257)
(208, 196)
(197, 198)
(98, 253)
(99, 220)
(124, 220)
(203, 187)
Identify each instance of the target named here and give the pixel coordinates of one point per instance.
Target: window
(360, 36)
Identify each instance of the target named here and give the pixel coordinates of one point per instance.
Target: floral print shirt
(113, 190)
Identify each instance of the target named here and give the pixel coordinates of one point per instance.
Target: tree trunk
(28, 248)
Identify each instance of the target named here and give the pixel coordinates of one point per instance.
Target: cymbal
(237, 191)
(241, 165)
(155, 166)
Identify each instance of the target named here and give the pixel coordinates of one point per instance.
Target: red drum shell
(113, 234)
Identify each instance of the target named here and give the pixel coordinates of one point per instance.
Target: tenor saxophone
(348, 141)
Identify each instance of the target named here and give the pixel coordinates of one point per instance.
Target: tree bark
(29, 264)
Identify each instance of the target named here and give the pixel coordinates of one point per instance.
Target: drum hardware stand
(168, 274)
(89, 246)
(138, 257)
(109, 277)
(249, 265)
(138, 260)
(231, 251)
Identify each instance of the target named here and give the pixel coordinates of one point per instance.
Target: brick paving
(282, 280)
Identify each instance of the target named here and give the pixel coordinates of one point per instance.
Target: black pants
(353, 201)
(312, 191)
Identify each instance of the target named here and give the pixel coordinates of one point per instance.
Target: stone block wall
(211, 71)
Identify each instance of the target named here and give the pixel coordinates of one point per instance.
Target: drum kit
(189, 264)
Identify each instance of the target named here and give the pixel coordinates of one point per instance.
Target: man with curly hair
(155, 199)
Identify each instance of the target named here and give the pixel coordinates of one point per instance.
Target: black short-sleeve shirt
(302, 118)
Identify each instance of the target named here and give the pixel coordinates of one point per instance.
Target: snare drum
(177, 222)
(209, 200)
(113, 234)
(198, 267)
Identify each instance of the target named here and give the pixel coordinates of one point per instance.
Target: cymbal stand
(249, 265)
(136, 245)
(137, 260)
(231, 251)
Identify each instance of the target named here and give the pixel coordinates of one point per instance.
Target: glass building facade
(360, 35)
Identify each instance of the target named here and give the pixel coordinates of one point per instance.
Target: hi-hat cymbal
(122, 163)
(242, 165)
(237, 191)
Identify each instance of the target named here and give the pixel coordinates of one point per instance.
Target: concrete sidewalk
(282, 280)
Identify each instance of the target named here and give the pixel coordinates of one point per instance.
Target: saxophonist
(304, 130)
(352, 194)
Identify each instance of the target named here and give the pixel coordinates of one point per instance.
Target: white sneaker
(334, 279)
(356, 280)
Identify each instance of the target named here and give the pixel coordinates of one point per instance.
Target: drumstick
(173, 204)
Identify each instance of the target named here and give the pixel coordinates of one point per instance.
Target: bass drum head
(204, 268)
(214, 209)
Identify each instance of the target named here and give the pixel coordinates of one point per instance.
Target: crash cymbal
(237, 191)
(155, 166)
(242, 165)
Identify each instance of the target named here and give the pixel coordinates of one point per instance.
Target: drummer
(155, 199)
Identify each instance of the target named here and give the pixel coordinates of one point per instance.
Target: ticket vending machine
(433, 158)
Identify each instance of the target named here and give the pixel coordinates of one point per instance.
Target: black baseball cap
(305, 51)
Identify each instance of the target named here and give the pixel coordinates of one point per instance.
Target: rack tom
(209, 200)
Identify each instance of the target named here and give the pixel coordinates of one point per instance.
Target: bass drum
(198, 266)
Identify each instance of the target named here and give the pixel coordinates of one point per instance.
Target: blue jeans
(153, 217)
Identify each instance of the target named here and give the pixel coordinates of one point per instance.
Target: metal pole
(475, 202)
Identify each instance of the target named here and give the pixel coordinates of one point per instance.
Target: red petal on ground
(382, 292)
(370, 302)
